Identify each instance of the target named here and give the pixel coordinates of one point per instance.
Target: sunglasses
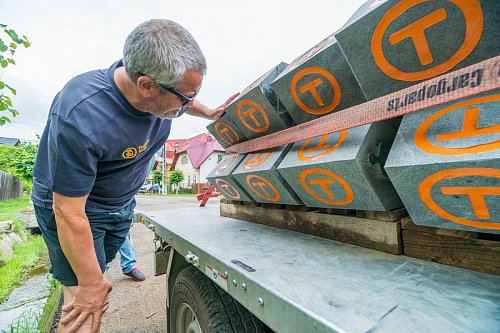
(185, 100)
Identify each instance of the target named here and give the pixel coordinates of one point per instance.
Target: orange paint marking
(311, 88)
(416, 31)
(328, 178)
(227, 189)
(475, 195)
(226, 133)
(469, 129)
(310, 53)
(243, 112)
(261, 183)
(256, 159)
(323, 149)
(226, 163)
(473, 15)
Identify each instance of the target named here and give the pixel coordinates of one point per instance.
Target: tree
(176, 177)
(157, 177)
(10, 47)
(19, 161)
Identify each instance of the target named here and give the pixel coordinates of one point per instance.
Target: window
(184, 160)
(219, 158)
(189, 181)
(194, 179)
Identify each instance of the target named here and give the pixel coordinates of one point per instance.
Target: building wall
(210, 164)
(191, 175)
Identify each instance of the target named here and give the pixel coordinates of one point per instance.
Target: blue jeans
(127, 255)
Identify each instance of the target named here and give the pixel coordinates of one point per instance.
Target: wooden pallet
(471, 250)
(339, 225)
(392, 232)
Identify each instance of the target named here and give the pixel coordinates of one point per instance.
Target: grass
(10, 208)
(33, 321)
(17, 268)
(26, 323)
(47, 317)
(25, 256)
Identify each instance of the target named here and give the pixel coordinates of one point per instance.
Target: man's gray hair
(162, 50)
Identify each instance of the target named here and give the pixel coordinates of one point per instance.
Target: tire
(198, 305)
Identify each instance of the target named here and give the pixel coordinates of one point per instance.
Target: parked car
(145, 188)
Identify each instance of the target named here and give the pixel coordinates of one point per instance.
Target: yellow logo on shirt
(144, 146)
(129, 153)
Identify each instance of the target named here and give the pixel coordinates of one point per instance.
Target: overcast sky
(240, 39)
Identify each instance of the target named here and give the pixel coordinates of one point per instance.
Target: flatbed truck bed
(295, 282)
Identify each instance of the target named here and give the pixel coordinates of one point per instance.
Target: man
(103, 128)
(128, 261)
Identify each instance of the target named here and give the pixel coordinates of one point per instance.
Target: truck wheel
(200, 306)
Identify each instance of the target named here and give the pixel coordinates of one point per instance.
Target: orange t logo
(224, 132)
(322, 183)
(476, 197)
(320, 146)
(469, 127)
(249, 113)
(311, 87)
(246, 109)
(261, 185)
(416, 31)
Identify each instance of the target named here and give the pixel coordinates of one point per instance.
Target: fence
(9, 188)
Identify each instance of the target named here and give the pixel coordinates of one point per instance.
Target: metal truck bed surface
(300, 283)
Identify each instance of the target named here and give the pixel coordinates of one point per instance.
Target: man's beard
(159, 111)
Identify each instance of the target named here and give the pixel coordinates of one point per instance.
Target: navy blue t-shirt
(95, 142)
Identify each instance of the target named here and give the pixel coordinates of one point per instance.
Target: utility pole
(163, 171)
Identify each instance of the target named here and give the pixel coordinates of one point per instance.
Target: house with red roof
(196, 159)
(173, 145)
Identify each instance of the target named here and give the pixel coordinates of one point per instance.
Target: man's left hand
(200, 110)
(220, 110)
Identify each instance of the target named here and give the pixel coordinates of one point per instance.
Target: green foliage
(176, 177)
(9, 41)
(10, 208)
(25, 256)
(157, 177)
(185, 190)
(26, 323)
(50, 307)
(19, 160)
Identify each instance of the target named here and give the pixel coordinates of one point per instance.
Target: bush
(19, 162)
(186, 190)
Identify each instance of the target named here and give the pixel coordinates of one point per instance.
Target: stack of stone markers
(440, 163)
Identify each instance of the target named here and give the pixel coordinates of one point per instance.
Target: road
(140, 306)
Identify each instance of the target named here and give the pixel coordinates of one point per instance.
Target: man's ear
(145, 86)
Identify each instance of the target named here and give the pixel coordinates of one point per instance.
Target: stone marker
(226, 132)
(221, 177)
(391, 45)
(318, 83)
(344, 169)
(445, 164)
(257, 174)
(257, 111)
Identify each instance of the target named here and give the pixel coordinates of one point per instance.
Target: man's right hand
(89, 300)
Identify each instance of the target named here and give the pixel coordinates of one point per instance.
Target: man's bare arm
(76, 240)
(197, 109)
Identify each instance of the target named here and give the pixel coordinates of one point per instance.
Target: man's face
(166, 105)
